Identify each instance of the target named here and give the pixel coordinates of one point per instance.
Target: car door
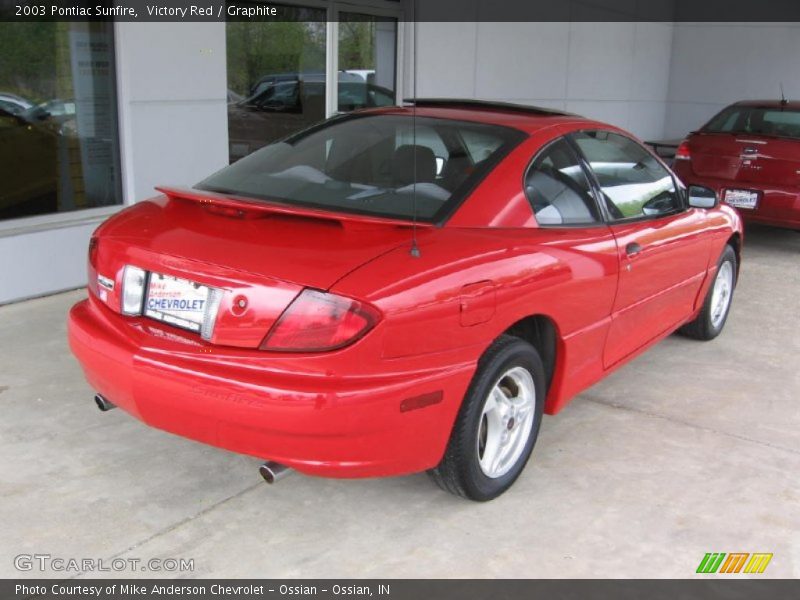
(571, 226)
(662, 248)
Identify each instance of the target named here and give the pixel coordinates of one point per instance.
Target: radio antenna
(784, 101)
(414, 246)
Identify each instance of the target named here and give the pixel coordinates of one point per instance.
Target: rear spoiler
(243, 207)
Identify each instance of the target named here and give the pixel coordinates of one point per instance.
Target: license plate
(176, 301)
(741, 198)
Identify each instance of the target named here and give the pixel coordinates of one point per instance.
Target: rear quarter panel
(568, 275)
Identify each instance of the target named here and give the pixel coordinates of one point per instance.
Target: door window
(633, 182)
(558, 189)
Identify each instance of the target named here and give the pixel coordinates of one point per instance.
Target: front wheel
(498, 423)
(717, 305)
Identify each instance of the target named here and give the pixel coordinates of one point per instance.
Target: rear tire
(498, 423)
(711, 320)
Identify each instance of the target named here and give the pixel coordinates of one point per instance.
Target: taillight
(94, 245)
(683, 152)
(316, 321)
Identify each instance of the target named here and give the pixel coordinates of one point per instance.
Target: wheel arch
(735, 242)
(541, 332)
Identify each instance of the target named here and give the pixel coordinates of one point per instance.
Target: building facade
(93, 116)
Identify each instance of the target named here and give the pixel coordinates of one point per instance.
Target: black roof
(485, 104)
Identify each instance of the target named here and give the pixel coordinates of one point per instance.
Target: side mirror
(702, 197)
(662, 204)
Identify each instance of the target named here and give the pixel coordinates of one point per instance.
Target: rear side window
(756, 121)
(557, 188)
(479, 145)
(633, 182)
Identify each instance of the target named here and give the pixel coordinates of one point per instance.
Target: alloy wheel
(721, 295)
(506, 422)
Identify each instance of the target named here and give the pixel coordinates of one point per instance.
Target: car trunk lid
(260, 255)
(746, 159)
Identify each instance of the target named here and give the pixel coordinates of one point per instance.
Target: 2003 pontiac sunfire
(401, 289)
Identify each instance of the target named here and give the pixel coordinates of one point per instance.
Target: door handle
(633, 249)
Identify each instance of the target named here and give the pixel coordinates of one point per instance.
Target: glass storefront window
(276, 78)
(367, 57)
(59, 146)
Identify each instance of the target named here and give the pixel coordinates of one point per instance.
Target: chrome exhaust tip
(272, 471)
(103, 404)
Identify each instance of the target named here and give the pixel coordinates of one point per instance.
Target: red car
(750, 154)
(401, 289)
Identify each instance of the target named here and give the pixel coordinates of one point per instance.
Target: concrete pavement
(692, 448)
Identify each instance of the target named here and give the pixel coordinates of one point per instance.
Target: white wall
(39, 262)
(658, 80)
(617, 72)
(716, 64)
(173, 103)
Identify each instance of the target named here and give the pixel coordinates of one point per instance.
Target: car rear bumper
(250, 402)
(779, 207)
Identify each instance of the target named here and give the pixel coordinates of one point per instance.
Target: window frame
(609, 219)
(602, 222)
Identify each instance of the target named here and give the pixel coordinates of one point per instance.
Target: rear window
(373, 165)
(757, 121)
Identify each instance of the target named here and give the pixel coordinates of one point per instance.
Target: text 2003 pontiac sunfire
(282, 309)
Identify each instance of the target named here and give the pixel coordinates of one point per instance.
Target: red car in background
(750, 154)
(401, 289)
